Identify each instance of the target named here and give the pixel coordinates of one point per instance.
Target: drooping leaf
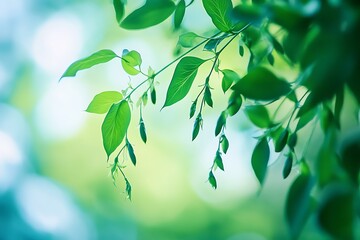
(119, 10)
(234, 104)
(197, 125)
(292, 141)
(258, 115)
(281, 140)
(151, 13)
(153, 96)
(193, 108)
(305, 119)
(220, 123)
(298, 204)
(207, 97)
(224, 144)
(144, 98)
(142, 130)
(213, 43)
(179, 14)
(261, 84)
(212, 180)
(131, 152)
(188, 40)
(218, 160)
(229, 77)
(287, 166)
(184, 75)
(241, 50)
(271, 59)
(115, 126)
(128, 189)
(220, 13)
(130, 60)
(103, 101)
(101, 56)
(260, 159)
(114, 168)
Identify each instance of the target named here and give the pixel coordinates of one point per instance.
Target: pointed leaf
(153, 96)
(143, 131)
(179, 14)
(229, 77)
(128, 189)
(220, 123)
(213, 43)
(261, 84)
(150, 14)
(188, 40)
(212, 180)
(260, 159)
(197, 125)
(103, 101)
(193, 108)
(281, 140)
(131, 152)
(119, 10)
(219, 11)
(287, 166)
(115, 126)
(234, 105)
(218, 160)
(224, 144)
(130, 60)
(184, 75)
(101, 56)
(258, 115)
(207, 97)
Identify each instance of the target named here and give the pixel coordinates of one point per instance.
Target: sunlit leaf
(258, 115)
(184, 75)
(179, 14)
(187, 40)
(130, 60)
(219, 11)
(101, 56)
(115, 126)
(103, 101)
(262, 84)
(229, 77)
(260, 159)
(151, 13)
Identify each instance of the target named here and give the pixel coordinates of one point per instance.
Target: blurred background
(54, 178)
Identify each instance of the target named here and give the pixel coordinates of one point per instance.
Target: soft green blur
(54, 178)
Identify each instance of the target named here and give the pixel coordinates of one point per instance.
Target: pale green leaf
(103, 101)
(130, 60)
(219, 11)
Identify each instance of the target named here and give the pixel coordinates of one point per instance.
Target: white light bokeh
(57, 43)
(59, 113)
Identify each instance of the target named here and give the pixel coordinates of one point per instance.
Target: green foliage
(319, 45)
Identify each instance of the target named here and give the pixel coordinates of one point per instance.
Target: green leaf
(103, 101)
(142, 130)
(119, 10)
(287, 166)
(229, 77)
(130, 60)
(193, 108)
(114, 168)
(260, 159)
(153, 96)
(220, 123)
(337, 212)
(292, 141)
(258, 115)
(188, 40)
(184, 75)
(101, 56)
(115, 126)
(213, 43)
(241, 50)
(271, 59)
(144, 98)
(234, 104)
(197, 125)
(131, 152)
(218, 160)
(179, 14)
(219, 11)
(128, 189)
(224, 144)
(261, 84)
(298, 204)
(305, 119)
(212, 180)
(281, 140)
(207, 96)
(150, 14)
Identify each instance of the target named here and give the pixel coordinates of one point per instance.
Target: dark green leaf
(241, 50)
(212, 44)
(150, 14)
(220, 123)
(218, 160)
(271, 59)
(281, 141)
(114, 168)
(287, 166)
(130, 60)
(115, 126)
(298, 204)
(131, 152)
(128, 189)
(277, 46)
(197, 125)
(219, 11)
(292, 141)
(292, 97)
(235, 102)
(261, 84)
(188, 40)
(142, 130)
(305, 119)
(119, 10)
(101, 56)
(212, 180)
(350, 161)
(207, 97)
(103, 101)
(193, 108)
(260, 159)
(179, 14)
(337, 212)
(153, 96)
(258, 115)
(184, 75)
(327, 119)
(229, 77)
(224, 144)
(339, 103)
